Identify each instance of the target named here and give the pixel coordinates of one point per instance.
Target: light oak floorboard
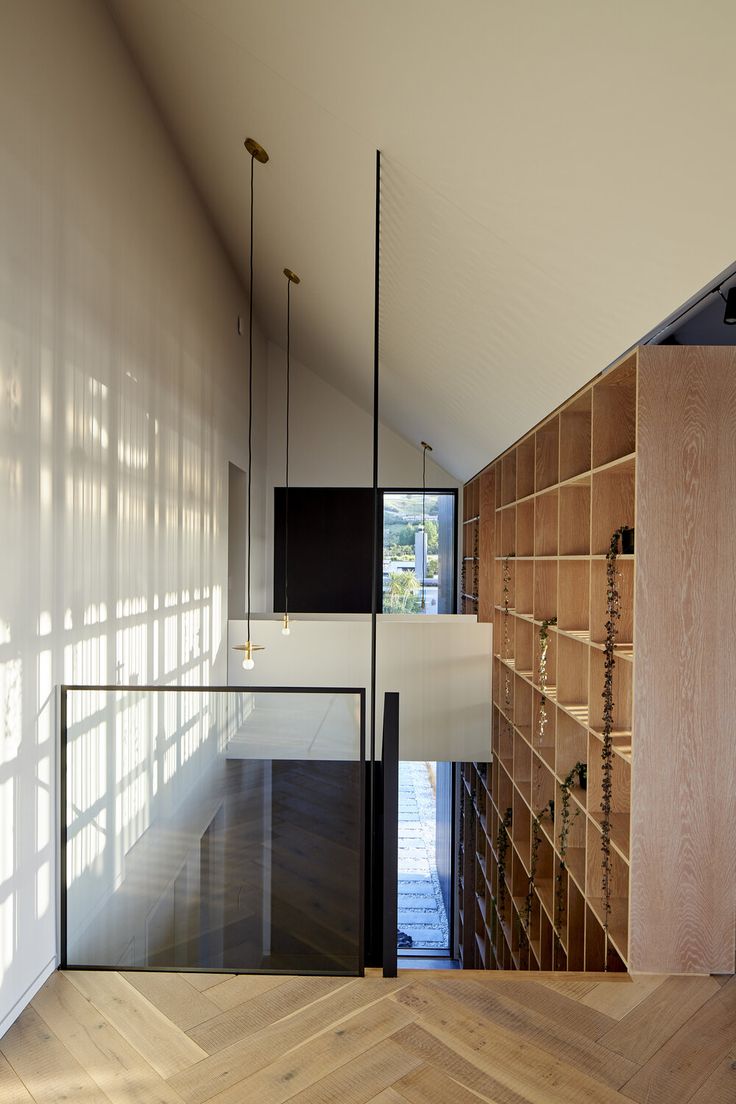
(164, 1045)
(49, 1072)
(299, 1069)
(246, 1056)
(244, 1019)
(174, 997)
(205, 981)
(92, 1037)
(690, 1056)
(640, 1034)
(359, 1081)
(430, 1086)
(12, 1089)
(116, 1067)
(241, 988)
(619, 1001)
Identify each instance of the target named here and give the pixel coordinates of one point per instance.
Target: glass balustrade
(213, 829)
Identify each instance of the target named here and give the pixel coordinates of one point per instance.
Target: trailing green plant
(543, 648)
(506, 635)
(502, 846)
(476, 561)
(548, 810)
(613, 613)
(579, 771)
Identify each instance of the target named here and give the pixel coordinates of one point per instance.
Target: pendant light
(425, 543)
(257, 153)
(291, 278)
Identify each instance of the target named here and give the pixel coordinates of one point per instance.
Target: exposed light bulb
(286, 628)
(248, 664)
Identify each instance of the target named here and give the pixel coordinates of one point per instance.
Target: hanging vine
(502, 845)
(548, 810)
(613, 613)
(543, 648)
(579, 771)
(506, 634)
(476, 561)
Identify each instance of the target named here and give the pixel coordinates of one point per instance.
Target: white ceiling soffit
(555, 182)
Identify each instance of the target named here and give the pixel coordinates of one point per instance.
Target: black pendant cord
(424, 524)
(288, 401)
(250, 390)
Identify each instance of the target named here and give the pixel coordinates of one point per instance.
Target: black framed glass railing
(213, 829)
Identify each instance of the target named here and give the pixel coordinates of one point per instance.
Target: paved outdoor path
(421, 908)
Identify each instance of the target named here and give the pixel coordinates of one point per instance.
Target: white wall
(331, 443)
(122, 399)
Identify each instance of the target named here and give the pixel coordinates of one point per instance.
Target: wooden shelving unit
(470, 544)
(543, 514)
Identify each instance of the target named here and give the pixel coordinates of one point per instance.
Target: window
(419, 552)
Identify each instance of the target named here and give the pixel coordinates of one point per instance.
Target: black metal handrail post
(390, 757)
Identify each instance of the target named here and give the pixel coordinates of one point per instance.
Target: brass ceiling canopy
(255, 149)
(291, 276)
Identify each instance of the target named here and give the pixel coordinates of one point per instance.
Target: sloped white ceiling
(556, 181)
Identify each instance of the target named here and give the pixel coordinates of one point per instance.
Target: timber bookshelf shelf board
(637, 446)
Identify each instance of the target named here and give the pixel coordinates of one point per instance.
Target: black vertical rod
(62, 828)
(373, 896)
(390, 760)
(250, 388)
(288, 403)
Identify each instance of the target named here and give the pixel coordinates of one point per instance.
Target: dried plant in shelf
(502, 845)
(543, 648)
(548, 810)
(579, 771)
(613, 613)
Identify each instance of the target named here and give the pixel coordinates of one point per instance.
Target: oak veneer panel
(683, 862)
(547, 439)
(525, 464)
(486, 544)
(575, 436)
(614, 413)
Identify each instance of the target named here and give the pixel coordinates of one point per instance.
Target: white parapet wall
(440, 666)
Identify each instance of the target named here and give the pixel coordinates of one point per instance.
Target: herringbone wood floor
(426, 1038)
